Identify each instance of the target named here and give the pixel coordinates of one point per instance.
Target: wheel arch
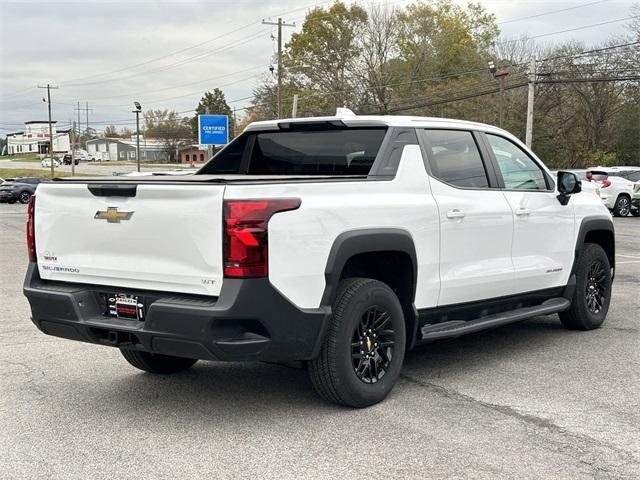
(596, 230)
(370, 253)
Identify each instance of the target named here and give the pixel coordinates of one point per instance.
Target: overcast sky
(164, 54)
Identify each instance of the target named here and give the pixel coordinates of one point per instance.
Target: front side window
(454, 158)
(334, 151)
(518, 170)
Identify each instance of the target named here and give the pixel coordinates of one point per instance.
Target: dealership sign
(213, 129)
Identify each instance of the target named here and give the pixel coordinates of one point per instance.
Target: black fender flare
(369, 240)
(591, 224)
(366, 240)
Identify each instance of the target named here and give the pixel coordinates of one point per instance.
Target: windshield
(346, 151)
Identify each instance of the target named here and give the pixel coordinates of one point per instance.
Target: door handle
(455, 213)
(521, 211)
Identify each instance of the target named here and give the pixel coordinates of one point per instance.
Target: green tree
(169, 127)
(324, 54)
(213, 102)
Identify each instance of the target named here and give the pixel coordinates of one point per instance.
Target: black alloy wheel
(24, 197)
(373, 345)
(596, 289)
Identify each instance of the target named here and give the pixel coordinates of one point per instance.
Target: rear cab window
(321, 151)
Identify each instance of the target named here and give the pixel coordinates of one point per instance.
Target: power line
(200, 56)
(574, 29)
(191, 47)
(552, 12)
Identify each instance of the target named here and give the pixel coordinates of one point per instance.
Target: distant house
(35, 139)
(193, 154)
(111, 149)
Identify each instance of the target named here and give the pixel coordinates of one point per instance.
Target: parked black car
(19, 189)
(66, 160)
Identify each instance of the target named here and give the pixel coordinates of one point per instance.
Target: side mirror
(568, 184)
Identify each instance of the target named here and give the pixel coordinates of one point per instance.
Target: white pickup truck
(336, 242)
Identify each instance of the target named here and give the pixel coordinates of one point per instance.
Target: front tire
(590, 302)
(156, 363)
(361, 357)
(622, 206)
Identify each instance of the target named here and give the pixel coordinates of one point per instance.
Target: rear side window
(454, 158)
(634, 176)
(347, 151)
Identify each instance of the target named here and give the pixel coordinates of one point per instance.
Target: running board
(455, 328)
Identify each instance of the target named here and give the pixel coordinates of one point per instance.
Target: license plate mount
(126, 306)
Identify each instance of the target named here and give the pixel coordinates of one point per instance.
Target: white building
(35, 139)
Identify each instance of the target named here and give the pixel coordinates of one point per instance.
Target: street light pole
(137, 112)
(500, 76)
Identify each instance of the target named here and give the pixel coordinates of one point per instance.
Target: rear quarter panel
(300, 240)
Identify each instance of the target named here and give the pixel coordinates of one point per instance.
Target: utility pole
(86, 109)
(73, 145)
(280, 24)
(530, 100)
(294, 109)
(49, 87)
(79, 124)
(235, 123)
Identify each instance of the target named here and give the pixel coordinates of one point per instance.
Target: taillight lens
(31, 232)
(246, 244)
(606, 183)
(589, 176)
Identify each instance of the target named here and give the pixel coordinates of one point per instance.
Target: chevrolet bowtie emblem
(112, 215)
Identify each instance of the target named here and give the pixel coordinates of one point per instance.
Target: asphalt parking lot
(530, 400)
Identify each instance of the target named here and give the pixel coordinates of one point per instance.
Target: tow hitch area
(127, 307)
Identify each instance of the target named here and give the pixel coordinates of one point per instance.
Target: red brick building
(193, 154)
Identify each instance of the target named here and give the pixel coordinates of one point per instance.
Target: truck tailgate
(167, 237)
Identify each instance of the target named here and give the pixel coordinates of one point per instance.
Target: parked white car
(46, 163)
(635, 200)
(616, 188)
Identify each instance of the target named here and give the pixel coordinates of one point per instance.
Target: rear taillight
(31, 232)
(589, 176)
(606, 183)
(246, 245)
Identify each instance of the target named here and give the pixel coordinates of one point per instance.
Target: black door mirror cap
(568, 184)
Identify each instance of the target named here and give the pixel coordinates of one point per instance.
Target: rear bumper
(250, 320)
(607, 200)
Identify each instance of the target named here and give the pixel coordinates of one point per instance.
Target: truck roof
(350, 119)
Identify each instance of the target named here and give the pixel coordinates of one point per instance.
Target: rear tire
(590, 302)
(361, 357)
(622, 206)
(156, 363)
(636, 212)
(24, 197)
